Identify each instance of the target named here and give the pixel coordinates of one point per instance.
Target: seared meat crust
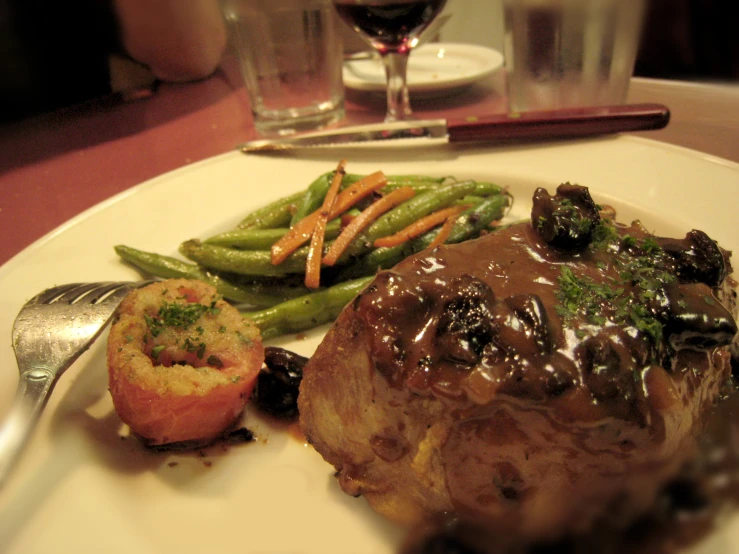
(534, 389)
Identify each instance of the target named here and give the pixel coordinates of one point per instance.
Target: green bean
(469, 199)
(469, 224)
(306, 312)
(316, 192)
(375, 260)
(415, 208)
(248, 238)
(482, 188)
(406, 213)
(262, 239)
(242, 262)
(473, 221)
(312, 198)
(158, 265)
(279, 288)
(166, 267)
(418, 182)
(274, 214)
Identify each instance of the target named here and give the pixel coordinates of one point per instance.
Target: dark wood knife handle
(564, 123)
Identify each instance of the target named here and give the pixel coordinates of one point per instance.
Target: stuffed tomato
(182, 362)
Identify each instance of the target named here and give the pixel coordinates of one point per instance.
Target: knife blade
(491, 129)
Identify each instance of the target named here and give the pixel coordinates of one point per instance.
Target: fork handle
(34, 388)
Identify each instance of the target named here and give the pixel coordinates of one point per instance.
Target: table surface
(57, 165)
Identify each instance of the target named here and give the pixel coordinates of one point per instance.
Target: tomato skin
(181, 383)
(164, 419)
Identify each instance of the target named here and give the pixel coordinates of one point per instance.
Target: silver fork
(51, 331)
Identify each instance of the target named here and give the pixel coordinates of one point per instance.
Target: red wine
(389, 27)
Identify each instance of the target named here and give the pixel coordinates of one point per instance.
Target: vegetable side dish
(295, 263)
(535, 382)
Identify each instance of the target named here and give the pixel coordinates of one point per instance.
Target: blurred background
(693, 40)
(54, 54)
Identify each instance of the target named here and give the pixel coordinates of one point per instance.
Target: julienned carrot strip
(356, 192)
(315, 251)
(359, 223)
(419, 227)
(293, 239)
(301, 232)
(444, 232)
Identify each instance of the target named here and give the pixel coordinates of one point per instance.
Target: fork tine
(104, 292)
(99, 293)
(51, 294)
(116, 294)
(92, 293)
(77, 293)
(115, 291)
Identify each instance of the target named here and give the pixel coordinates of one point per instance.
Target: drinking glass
(392, 27)
(568, 53)
(290, 63)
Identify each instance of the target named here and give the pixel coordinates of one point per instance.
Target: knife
(492, 129)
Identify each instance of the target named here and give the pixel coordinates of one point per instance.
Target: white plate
(81, 488)
(431, 67)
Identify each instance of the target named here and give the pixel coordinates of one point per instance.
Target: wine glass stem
(398, 104)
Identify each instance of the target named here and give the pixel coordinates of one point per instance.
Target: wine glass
(392, 27)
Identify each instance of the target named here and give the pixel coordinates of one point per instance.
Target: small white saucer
(431, 67)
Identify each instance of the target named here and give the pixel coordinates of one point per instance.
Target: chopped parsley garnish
(583, 295)
(650, 246)
(604, 233)
(245, 340)
(157, 350)
(192, 346)
(624, 300)
(628, 241)
(178, 315)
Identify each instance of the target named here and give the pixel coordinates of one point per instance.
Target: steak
(537, 381)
